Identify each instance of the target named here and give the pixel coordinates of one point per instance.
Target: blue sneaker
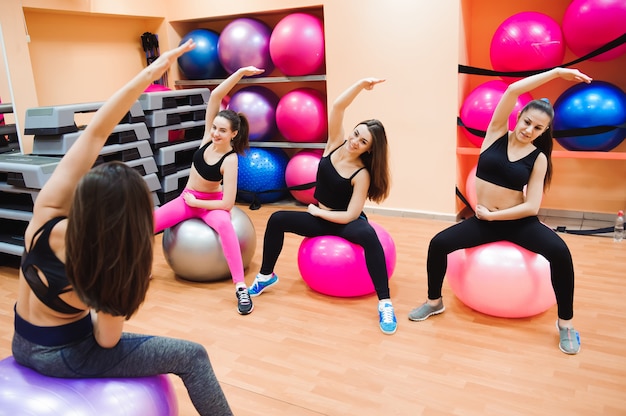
(387, 319)
(259, 286)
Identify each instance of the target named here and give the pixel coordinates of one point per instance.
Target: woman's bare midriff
(495, 197)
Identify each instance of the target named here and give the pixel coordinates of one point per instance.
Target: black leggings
(359, 232)
(528, 233)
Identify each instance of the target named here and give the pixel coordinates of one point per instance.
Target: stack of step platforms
(176, 123)
(9, 141)
(55, 131)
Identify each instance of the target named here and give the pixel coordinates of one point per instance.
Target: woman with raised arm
(87, 266)
(212, 186)
(508, 162)
(352, 169)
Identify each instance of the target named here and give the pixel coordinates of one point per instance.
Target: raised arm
(499, 121)
(219, 92)
(338, 109)
(56, 196)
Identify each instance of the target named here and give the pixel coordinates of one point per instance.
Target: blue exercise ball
(203, 61)
(262, 170)
(591, 105)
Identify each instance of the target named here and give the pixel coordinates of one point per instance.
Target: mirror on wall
(9, 137)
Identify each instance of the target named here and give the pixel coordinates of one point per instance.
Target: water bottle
(618, 233)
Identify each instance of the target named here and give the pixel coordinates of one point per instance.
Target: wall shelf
(289, 145)
(251, 80)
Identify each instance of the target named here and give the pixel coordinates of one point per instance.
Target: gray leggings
(134, 356)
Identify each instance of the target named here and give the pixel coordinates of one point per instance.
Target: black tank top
(332, 189)
(41, 257)
(208, 172)
(494, 166)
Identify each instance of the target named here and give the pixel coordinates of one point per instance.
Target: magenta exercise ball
(478, 107)
(527, 41)
(501, 279)
(258, 104)
(244, 42)
(333, 266)
(302, 169)
(301, 116)
(25, 392)
(590, 24)
(297, 44)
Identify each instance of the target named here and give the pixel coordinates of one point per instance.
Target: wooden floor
(302, 353)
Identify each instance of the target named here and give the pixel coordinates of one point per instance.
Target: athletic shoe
(387, 319)
(258, 286)
(424, 311)
(244, 303)
(569, 339)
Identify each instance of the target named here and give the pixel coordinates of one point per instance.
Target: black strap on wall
(256, 203)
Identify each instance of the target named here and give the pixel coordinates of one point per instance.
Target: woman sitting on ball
(510, 160)
(351, 170)
(87, 264)
(212, 186)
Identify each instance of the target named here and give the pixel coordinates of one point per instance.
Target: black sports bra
(494, 166)
(40, 257)
(208, 172)
(332, 189)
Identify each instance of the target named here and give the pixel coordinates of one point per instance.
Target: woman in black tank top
(508, 161)
(212, 185)
(96, 248)
(352, 170)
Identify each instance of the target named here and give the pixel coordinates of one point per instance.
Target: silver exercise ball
(194, 252)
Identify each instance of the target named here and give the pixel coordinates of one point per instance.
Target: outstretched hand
(574, 75)
(249, 71)
(163, 62)
(368, 83)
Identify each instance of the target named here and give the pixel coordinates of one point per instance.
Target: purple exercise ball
(259, 106)
(25, 392)
(245, 42)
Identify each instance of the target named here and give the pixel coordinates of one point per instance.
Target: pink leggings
(177, 211)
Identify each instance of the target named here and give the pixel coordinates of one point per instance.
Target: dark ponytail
(545, 141)
(239, 123)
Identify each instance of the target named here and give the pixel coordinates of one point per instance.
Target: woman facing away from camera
(87, 266)
(351, 170)
(508, 161)
(212, 185)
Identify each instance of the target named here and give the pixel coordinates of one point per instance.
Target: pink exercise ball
(501, 279)
(478, 108)
(302, 169)
(301, 116)
(25, 392)
(527, 41)
(333, 266)
(245, 42)
(259, 106)
(297, 44)
(590, 24)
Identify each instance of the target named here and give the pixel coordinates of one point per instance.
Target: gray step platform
(159, 100)
(171, 159)
(17, 201)
(144, 165)
(26, 171)
(61, 119)
(169, 116)
(173, 185)
(59, 144)
(125, 152)
(160, 136)
(9, 140)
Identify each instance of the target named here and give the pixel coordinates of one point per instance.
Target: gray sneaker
(569, 341)
(424, 311)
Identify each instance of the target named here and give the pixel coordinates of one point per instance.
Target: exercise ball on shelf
(527, 41)
(301, 116)
(244, 42)
(478, 108)
(260, 170)
(334, 266)
(25, 392)
(501, 279)
(259, 106)
(590, 24)
(591, 105)
(203, 61)
(194, 252)
(302, 169)
(297, 44)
